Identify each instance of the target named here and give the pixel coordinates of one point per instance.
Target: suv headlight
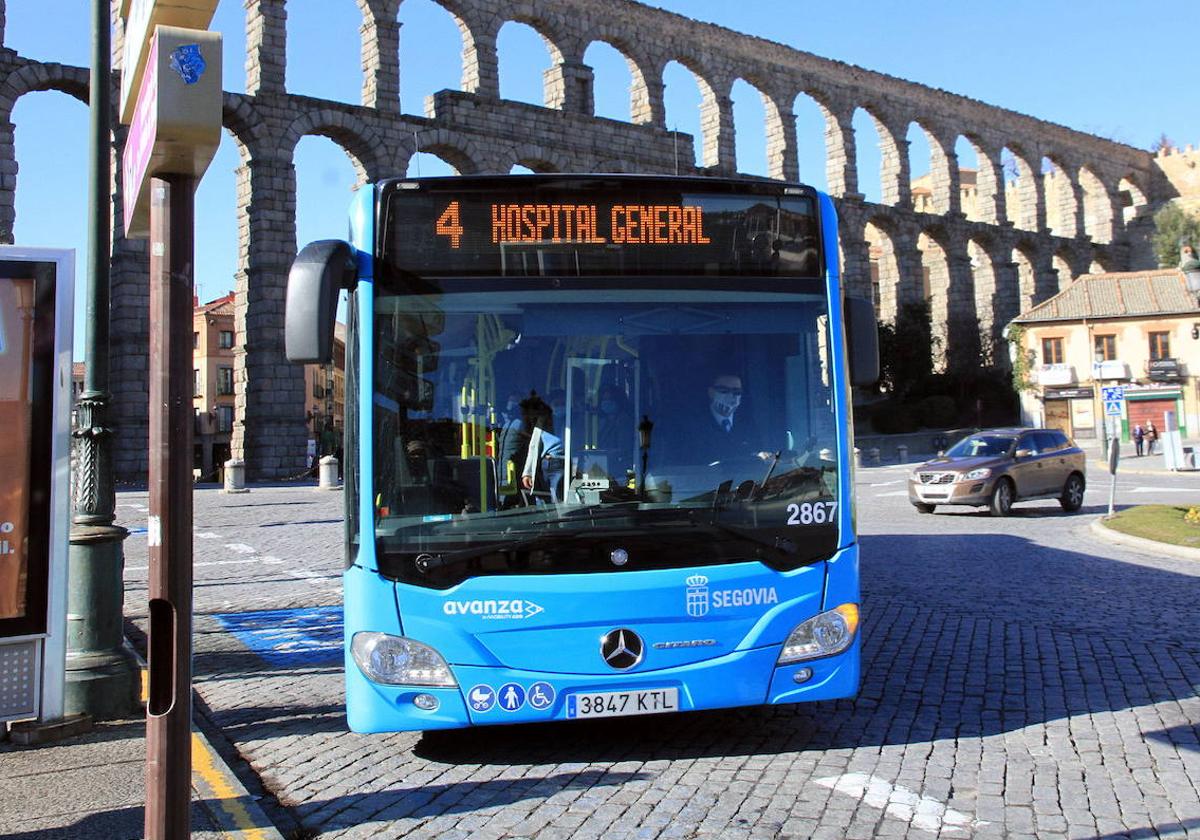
(975, 475)
(396, 660)
(822, 635)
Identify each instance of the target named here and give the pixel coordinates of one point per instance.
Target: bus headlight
(395, 660)
(822, 635)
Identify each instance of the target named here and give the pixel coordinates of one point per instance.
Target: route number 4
(450, 224)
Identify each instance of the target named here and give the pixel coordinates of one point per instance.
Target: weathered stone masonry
(476, 131)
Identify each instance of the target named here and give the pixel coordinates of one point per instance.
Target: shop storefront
(1072, 410)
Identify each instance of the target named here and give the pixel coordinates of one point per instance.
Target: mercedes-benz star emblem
(622, 648)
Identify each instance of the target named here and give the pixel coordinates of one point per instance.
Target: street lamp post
(101, 672)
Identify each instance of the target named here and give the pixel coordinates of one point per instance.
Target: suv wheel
(1002, 498)
(1072, 494)
(923, 508)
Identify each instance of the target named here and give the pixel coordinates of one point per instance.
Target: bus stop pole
(169, 645)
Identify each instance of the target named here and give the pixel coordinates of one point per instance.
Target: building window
(226, 339)
(1106, 348)
(1052, 351)
(224, 418)
(195, 382)
(224, 381)
(1160, 346)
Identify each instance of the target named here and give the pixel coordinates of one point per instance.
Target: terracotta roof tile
(1117, 295)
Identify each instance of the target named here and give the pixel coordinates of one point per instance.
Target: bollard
(329, 474)
(235, 476)
(902, 453)
(873, 456)
(859, 457)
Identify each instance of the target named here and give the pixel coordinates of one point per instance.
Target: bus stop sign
(1114, 401)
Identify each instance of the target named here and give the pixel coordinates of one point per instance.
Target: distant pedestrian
(1139, 438)
(1151, 437)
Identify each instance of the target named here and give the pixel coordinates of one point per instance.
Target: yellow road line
(226, 797)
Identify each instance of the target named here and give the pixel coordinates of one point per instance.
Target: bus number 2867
(811, 513)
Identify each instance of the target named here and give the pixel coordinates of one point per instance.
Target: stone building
(1137, 329)
(976, 270)
(213, 392)
(325, 393)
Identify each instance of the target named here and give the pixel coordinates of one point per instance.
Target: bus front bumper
(742, 678)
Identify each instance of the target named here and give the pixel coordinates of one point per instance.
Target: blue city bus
(597, 449)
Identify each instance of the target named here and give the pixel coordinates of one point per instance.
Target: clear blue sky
(1111, 70)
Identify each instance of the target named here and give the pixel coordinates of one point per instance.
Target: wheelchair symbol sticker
(541, 695)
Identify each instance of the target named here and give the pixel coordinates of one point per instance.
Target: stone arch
(32, 78)
(1060, 187)
(419, 26)
(515, 26)
(1100, 264)
(640, 97)
(817, 133)
(460, 152)
(1132, 198)
(1098, 213)
(982, 195)
(1022, 189)
(934, 191)
(538, 158)
(716, 116)
(600, 59)
(358, 139)
(889, 167)
(753, 127)
(682, 103)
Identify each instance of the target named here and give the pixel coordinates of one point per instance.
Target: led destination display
(592, 232)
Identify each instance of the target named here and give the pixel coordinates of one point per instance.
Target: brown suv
(1000, 466)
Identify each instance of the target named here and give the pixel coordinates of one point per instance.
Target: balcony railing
(1056, 375)
(1110, 369)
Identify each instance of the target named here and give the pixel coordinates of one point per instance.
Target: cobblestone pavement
(1020, 679)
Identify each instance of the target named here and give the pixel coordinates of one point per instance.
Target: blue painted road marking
(289, 638)
(541, 695)
(482, 698)
(512, 697)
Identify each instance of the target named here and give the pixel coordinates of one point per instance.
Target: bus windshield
(561, 429)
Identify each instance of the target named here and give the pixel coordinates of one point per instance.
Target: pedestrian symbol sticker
(541, 695)
(512, 697)
(482, 698)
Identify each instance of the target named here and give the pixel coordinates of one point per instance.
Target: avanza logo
(502, 608)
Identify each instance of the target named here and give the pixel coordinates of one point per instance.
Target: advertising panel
(35, 364)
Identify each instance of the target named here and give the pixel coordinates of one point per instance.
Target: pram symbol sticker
(697, 596)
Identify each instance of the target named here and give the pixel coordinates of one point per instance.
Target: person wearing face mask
(721, 432)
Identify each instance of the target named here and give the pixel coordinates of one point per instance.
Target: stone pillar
(1031, 210)
(381, 59)
(1045, 279)
(989, 191)
(1006, 305)
(716, 123)
(569, 86)
(962, 323)
(646, 105)
(782, 159)
(481, 66)
(894, 172)
(269, 432)
(983, 282)
(8, 181)
(910, 287)
(266, 46)
(944, 176)
(841, 165)
(129, 336)
(856, 264)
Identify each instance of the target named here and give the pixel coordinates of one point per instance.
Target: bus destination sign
(477, 233)
(643, 224)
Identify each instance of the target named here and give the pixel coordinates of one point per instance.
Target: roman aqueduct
(1048, 203)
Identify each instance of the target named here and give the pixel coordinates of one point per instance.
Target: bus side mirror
(862, 341)
(320, 271)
